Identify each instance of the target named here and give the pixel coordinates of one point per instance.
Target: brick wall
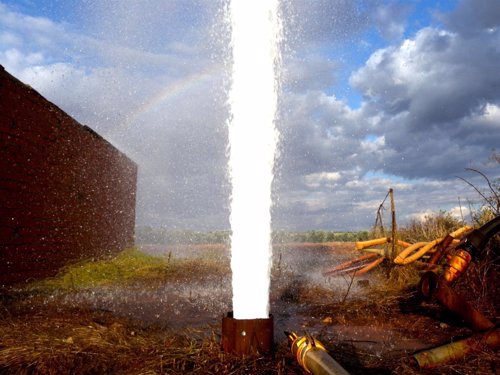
(65, 193)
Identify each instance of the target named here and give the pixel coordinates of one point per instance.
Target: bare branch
(481, 194)
(353, 275)
(488, 182)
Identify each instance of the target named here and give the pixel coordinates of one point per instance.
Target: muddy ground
(174, 328)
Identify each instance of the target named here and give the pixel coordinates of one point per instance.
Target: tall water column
(252, 141)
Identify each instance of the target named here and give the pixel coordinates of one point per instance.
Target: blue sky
(376, 94)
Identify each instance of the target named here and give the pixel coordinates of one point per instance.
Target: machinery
(440, 288)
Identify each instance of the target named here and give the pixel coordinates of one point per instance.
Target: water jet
(252, 149)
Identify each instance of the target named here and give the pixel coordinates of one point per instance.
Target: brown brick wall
(65, 192)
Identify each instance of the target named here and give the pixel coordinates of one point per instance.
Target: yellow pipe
(360, 245)
(418, 254)
(400, 259)
(375, 251)
(403, 243)
(405, 258)
(460, 232)
(458, 350)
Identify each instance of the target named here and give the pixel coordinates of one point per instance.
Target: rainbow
(169, 93)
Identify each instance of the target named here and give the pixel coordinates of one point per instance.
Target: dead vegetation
(37, 337)
(89, 342)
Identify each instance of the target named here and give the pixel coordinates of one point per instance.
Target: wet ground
(297, 272)
(368, 333)
(300, 297)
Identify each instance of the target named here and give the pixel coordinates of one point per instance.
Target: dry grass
(430, 228)
(398, 279)
(85, 342)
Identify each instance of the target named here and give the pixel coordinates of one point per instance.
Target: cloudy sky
(375, 94)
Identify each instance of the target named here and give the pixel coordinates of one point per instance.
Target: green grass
(130, 264)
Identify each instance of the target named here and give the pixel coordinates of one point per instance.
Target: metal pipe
(247, 336)
(432, 286)
(478, 238)
(440, 249)
(457, 350)
(457, 266)
(313, 357)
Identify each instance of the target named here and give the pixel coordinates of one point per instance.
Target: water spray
(253, 139)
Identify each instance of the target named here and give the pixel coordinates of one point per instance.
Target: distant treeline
(164, 236)
(151, 235)
(319, 236)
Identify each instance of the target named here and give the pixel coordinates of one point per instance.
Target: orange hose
(369, 267)
(345, 265)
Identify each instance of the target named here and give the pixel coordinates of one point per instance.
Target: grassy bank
(130, 265)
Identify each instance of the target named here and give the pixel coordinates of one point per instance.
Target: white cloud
(472, 16)
(32, 32)
(390, 19)
(152, 81)
(432, 94)
(9, 39)
(372, 144)
(15, 60)
(315, 180)
(316, 202)
(460, 213)
(422, 216)
(491, 115)
(310, 72)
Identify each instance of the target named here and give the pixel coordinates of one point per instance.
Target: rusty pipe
(472, 244)
(432, 286)
(478, 238)
(457, 265)
(247, 336)
(312, 356)
(457, 350)
(440, 249)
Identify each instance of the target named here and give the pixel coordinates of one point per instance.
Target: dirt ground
(174, 328)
